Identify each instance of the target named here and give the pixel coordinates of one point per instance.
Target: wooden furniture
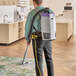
(65, 25)
(21, 30)
(8, 2)
(11, 32)
(64, 30)
(31, 2)
(12, 2)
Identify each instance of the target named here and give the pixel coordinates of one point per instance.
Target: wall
(58, 5)
(74, 4)
(75, 22)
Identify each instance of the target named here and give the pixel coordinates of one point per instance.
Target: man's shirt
(37, 22)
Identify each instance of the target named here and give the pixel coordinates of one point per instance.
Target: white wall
(74, 5)
(58, 5)
(75, 22)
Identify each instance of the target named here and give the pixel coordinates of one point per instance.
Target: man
(39, 45)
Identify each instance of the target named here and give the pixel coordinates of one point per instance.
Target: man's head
(37, 3)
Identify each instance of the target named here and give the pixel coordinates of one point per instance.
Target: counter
(12, 22)
(63, 21)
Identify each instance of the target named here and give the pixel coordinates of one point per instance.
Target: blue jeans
(39, 46)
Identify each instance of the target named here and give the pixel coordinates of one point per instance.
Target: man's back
(37, 22)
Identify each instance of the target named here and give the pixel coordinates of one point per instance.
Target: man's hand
(27, 43)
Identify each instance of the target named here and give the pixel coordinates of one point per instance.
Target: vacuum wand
(23, 62)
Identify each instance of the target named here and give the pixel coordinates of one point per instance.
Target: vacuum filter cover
(48, 26)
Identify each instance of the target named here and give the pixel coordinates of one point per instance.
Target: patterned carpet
(11, 66)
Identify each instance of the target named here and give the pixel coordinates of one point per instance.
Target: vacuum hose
(45, 10)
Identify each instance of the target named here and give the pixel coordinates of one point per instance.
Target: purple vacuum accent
(47, 15)
(53, 14)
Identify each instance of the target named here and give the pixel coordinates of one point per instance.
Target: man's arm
(27, 26)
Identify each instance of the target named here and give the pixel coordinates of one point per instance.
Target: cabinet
(1, 2)
(64, 30)
(8, 33)
(8, 2)
(13, 2)
(21, 29)
(12, 32)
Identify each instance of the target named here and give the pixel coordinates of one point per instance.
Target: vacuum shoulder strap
(35, 29)
(36, 9)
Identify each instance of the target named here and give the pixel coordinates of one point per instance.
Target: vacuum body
(48, 26)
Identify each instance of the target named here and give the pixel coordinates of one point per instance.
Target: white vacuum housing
(48, 26)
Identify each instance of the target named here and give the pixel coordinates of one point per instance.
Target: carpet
(11, 66)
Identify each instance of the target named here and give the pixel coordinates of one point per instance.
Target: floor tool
(23, 62)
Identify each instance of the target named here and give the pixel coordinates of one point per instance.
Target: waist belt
(36, 35)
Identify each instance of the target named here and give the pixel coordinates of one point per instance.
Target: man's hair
(38, 1)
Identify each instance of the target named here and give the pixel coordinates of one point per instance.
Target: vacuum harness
(48, 25)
